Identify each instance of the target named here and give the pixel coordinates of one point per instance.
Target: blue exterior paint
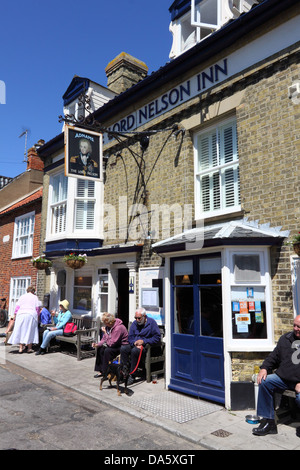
(180, 7)
(72, 244)
(197, 362)
(77, 86)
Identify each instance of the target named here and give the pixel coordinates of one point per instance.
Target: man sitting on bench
(144, 330)
(286, 360)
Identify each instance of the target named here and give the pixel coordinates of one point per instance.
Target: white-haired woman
(114, 336)
(25, 331)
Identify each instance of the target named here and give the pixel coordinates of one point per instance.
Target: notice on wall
(150, 281)
(248, 312)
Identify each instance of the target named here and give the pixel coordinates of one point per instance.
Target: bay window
(72, 208)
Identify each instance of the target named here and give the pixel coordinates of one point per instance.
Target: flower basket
(41, 263)
(296, 247)
(75, 263)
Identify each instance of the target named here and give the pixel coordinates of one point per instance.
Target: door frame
(198, 388)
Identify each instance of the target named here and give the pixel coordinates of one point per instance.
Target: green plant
(74, 256)
(294, 240)
(42, 259)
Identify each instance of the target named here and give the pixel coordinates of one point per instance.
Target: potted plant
(75, 261)
(296, 243)
(40, 262)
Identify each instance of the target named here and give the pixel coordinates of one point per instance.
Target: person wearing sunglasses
(144, 330)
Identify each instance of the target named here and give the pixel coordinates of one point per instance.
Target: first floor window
(23, 235)
(85, 205)
(217, 170)
(58, 204)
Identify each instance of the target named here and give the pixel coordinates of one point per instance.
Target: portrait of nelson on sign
(83, 154)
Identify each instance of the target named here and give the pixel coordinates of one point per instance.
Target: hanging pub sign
(83, 153)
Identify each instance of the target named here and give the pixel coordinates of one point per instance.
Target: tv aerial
(25, 133)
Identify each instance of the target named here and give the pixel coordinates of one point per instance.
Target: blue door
(197, 361)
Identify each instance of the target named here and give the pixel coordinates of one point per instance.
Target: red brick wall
(21, 266)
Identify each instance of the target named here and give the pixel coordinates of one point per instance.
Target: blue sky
(45, 43)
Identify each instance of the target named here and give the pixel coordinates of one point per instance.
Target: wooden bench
(155, 354)
(291, 395)
(87, 333)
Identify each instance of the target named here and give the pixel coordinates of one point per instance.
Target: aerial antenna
(25, 132)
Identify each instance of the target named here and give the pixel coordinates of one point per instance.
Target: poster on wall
(151, 295)
(83, 153)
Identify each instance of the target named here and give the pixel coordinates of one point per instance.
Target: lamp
(186, 279)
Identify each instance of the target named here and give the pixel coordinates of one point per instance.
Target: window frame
(248, 344)
(18, 237)
(14, 295)
(216, 165)
(70, 230)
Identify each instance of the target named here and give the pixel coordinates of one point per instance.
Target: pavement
(204, 423)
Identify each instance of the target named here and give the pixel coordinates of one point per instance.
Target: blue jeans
(48, 335)
(267, 388)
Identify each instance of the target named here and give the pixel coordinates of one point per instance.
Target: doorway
(197, 357)
(123, 296)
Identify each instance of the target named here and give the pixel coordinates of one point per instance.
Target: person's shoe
(298, 431)
(97, 376)
(130, 380)
(267, 426)
(40, 351)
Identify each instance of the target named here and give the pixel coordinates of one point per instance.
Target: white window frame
(69, 203)
(217, 168)
(59, 205)
(22, 240)
(18, 287)
(228, 281)
(86, 198)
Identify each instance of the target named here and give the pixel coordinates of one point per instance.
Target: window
(23, 236)
(85, 205)
(82, 293)
(198, 296)
(18, 287)
(103, 290)
(58, 204)
(217, 170)
(250, 300)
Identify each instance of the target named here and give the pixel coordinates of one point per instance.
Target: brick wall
(268, 130)
(21, 266)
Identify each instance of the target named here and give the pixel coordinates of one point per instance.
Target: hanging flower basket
(296, 247)
(75, 261)
(295, 243)
(41, 263)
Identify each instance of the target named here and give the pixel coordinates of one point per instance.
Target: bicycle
(3, 313)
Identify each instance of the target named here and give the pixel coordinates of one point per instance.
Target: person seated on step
(64, 316)
(285, 358)
(114, 336)
(144, 330)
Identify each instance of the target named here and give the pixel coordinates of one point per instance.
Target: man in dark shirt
(144, 330)
(286, 360)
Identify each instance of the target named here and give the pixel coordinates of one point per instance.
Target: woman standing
(115, 335)
(25, 331)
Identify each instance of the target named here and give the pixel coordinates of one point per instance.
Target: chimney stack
(34, 162)
(124, 71)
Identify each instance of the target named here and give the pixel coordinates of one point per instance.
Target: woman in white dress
(25, 331)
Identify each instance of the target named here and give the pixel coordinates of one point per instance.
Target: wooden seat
(87, 333)
(155, 355)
